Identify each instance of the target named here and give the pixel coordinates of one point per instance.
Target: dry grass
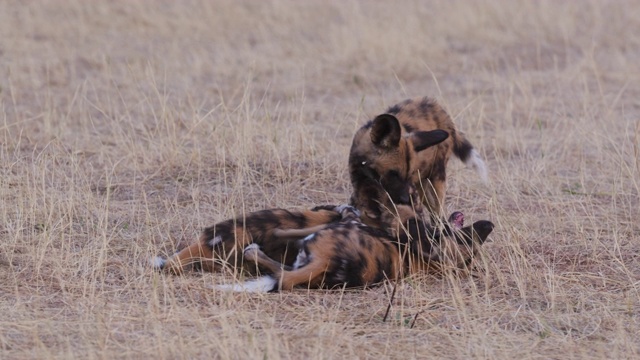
(126, 127)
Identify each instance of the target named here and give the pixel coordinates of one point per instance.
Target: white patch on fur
(215, 241)
(301, 260)
(158, 262)
(475, 162)
(262, 284)
(252, 246)
(346, 207)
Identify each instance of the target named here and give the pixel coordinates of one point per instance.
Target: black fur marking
(465, 236)
(374, 232)
(384, 266)
(324, 207)
(370, 193)
(299, 219)
(408, 128)
(462, 149)
(425, 139)
(416, 229)
(364, 244)
(407, 165)
(427, 106)
(395, 109)
(396, 186)
(224, 230)
(385, 131)
(467, 262)
(346, 270)
(360, 171)
(438, 171)
(263, 218)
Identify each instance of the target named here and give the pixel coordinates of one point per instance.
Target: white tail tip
(475, 162)
(157, 262)
(262, 284)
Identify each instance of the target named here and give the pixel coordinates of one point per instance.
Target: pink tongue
(458, 220)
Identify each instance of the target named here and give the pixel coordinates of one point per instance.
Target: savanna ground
(127, 127)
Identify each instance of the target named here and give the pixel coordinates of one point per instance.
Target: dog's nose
(404, 198)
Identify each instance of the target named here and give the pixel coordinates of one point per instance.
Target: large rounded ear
(483, 228)
(424, 139)
(385, 131)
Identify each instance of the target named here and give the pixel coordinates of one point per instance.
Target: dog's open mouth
(456, 220)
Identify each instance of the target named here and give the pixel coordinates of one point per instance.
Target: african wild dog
(390, 152)
(351, 254)
(274, 230)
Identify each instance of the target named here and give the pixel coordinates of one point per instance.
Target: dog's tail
(158, 263)
(263, 284)
(311, 274)
(463, 149)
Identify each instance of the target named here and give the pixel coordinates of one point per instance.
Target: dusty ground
(126, 127)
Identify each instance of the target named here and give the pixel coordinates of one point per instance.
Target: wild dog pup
(449, 246)
(396, 149)
(273, 230)
(352, 254)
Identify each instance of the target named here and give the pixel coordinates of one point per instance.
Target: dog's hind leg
(346, 211)
(297, 233)
(284, 277)
(311, 274)
(252, 253)
(194, 253)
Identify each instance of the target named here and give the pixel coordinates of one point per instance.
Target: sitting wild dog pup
(273, 230)
(401, 148)
(352, 254)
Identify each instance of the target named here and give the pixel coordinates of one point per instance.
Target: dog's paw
(250, 252)
(251, 248)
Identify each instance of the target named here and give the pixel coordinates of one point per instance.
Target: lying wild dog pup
(274, 230)
(352, 254)
(396, 149)
(451, 246)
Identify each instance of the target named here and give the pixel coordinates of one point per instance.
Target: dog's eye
(364, 163)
